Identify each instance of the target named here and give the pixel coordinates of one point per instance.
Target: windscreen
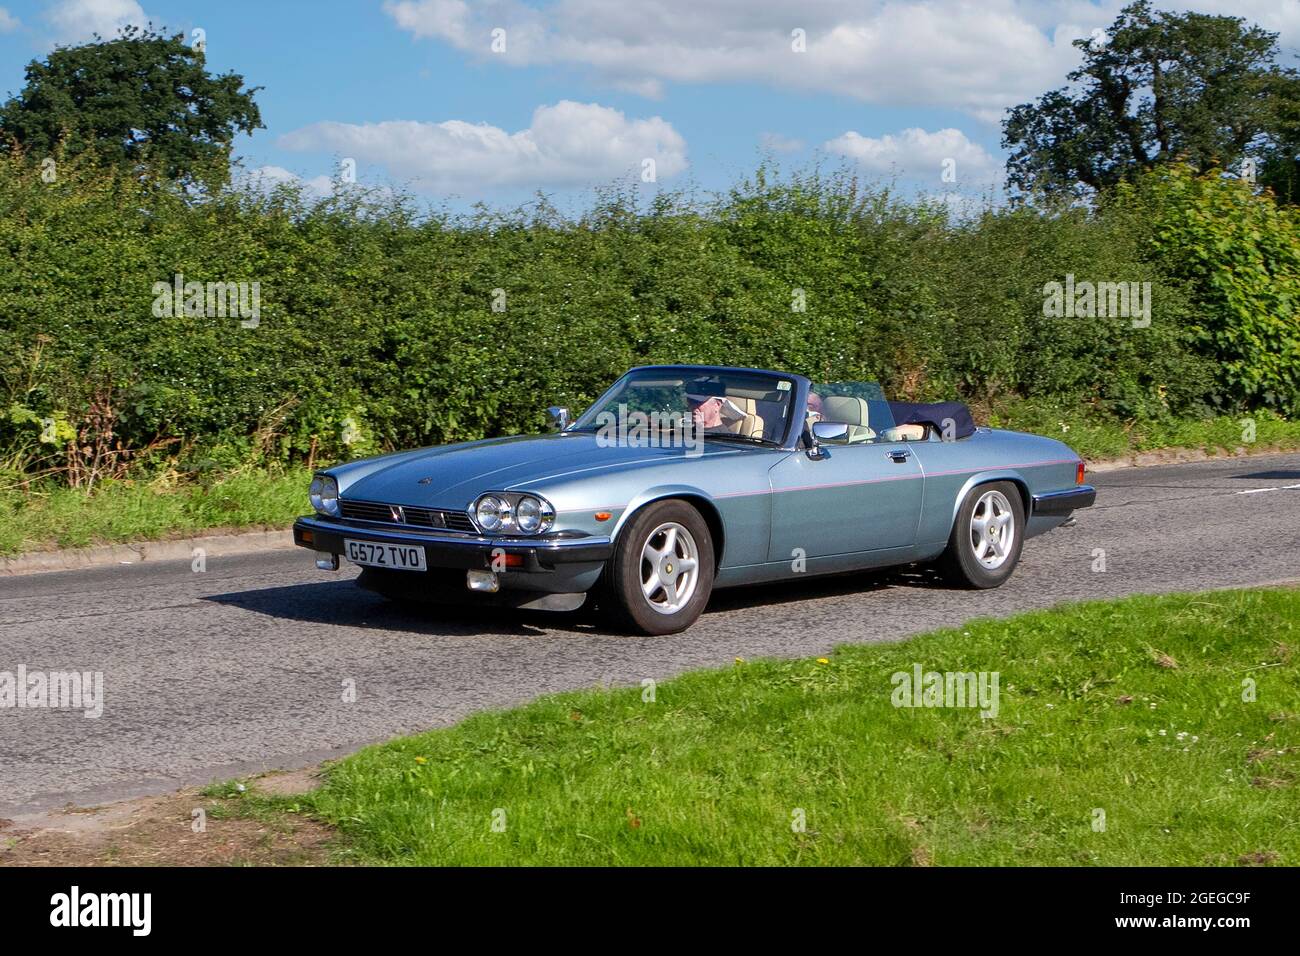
(748, 405)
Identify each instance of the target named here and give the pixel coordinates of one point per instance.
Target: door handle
(898, 454)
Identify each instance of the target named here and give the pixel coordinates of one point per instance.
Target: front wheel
(661, 574)
(985, 543)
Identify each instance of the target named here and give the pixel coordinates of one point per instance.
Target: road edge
(139, 552)
(1183, 456)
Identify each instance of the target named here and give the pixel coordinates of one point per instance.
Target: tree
(1158, 88)
(142, 100)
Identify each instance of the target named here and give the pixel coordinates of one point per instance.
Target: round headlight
(528, 514)
(324, 495)
(492, 513)
(329, 495)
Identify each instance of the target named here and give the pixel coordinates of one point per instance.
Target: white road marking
(1256, 491)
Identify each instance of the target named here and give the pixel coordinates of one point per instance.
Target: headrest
(746, 405)
(845, 408)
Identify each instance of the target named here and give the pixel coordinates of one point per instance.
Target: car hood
(454, 475)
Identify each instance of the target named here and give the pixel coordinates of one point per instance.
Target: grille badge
(398, 514)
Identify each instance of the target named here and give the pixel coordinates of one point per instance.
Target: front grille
(437, 518)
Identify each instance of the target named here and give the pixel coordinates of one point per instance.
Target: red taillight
(1078, 473)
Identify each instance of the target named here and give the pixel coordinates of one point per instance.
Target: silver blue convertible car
(684, 478)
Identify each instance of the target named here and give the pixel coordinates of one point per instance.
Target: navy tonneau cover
(937, 414)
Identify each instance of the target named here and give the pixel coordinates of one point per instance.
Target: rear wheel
(661, 575)
(984, 547)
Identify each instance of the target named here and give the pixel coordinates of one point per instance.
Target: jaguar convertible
(683, 478)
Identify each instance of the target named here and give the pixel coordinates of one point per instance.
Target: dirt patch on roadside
(179, 829)
(1175, 456)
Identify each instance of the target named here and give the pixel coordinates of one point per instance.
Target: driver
(706, 412)
(715, 411)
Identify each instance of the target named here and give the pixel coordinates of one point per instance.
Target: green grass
(1134, 708)
(1099, 438)
(51, 516)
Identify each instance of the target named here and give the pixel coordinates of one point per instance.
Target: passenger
(815, 409)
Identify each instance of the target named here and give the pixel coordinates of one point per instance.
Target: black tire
(961, 564)
(627, 602)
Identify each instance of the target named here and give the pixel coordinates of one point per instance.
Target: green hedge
(377, 326)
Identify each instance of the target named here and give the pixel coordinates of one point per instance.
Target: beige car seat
(853, 412)
(751, 425)
(904, 433)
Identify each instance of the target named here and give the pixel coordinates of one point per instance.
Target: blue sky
(584, 92)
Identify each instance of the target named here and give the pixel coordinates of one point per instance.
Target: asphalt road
(242, 667)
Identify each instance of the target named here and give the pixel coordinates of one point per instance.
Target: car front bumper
(556, 563)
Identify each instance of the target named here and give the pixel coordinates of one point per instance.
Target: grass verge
(1101, 439)
(51, 516)
(1152, 730)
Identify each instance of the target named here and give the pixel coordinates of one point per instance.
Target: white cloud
(1078, 18)
(778, 143)
(268, 177)
(445, 19)
(567, 144)
(77, 21)
(976, 55)
(8, 22)
(920, 156)
(980, 56)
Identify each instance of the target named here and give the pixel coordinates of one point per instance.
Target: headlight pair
(324, 495)
(508, 512)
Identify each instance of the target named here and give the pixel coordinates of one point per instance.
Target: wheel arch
(694, 497)
(988, 478)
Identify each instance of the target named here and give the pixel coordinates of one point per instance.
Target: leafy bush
(384, 327)
(1239, 254)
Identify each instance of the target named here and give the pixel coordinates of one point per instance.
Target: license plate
(375, 554)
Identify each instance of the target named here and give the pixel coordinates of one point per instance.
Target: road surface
(243, 667)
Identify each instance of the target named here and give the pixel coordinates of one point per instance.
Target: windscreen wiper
(729, 436)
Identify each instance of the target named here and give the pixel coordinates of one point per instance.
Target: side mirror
(559, 417)
(832, 433)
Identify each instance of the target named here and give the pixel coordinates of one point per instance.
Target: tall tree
(1156, 88)
(140, 100)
